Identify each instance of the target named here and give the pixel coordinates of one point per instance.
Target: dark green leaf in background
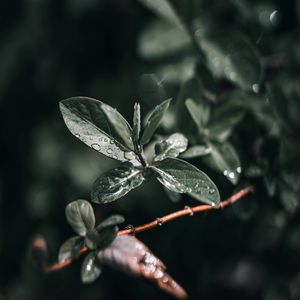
(153, 121)
(225, 159)
(182, 177)
(80, 216)
(90, 269)
(116, 183)
(112, 220)
(234, 58)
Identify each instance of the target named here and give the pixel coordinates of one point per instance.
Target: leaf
(90, 270)
(70, 248)
(234, 58)
(199, 114)
(196, 151)
(192, 89)
(150, 88)
(80, 216)
(120, 125)
(86, 120)
(100, 239)
(174, 197)
(116, 183)
(226, 160)
(153, 121)
(164, 9)
(223, 119)
(128, 254)
(111, 221)
(137, 122)
(182, 177)
(160, 39)
(171, 147)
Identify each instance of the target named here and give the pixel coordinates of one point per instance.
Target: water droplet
(165, 279)
(239, 170)
(225, 173)
(128, 155)
(109, 151)
(77, 135)
(96, 147)
(255, 88)
(105, 140)
(231, 175)
(211, 191)
(115, 157)
(274, 17)
(111, 142)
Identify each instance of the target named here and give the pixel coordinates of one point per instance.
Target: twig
(159, 221)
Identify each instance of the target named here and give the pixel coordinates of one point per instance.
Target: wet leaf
(160, 39)
(171, 147)
(90, 269)
(116, 183)
(70, 248)
(128, 254)
(80, 216)
(153, 121)
(100, 239)
(234, 58)
(226, 160)
(173, 196)
(86, 120)
(120, 125)
(182, 177)
(164, 9)
(196, 151)
(137, 122)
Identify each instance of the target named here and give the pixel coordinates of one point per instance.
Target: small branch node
(189, 209)
(131, 228)
(159, 221)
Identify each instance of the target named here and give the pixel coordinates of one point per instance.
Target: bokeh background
(51, 50)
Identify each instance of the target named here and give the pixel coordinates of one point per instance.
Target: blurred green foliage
(238, 61)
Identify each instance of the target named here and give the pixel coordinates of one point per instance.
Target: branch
(156, 223)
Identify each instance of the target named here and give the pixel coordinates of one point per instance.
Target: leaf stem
(159, 221)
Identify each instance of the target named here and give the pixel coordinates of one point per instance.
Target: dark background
(51, 50)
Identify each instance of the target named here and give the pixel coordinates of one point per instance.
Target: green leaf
(196, 151)
(225, 159)
(153, 121)
(80, 216)
(223, 119)
(86, 120)
(100, 239)
(116, 183)
(164, 9)
(70, 248)
(111, 221)
(90, 270)
(173, 196)
(120, 125)
(199, 114)
(182, 177)
(137, 122)
(160, 39)
(234, 58)
(171, 147)
(192, 89)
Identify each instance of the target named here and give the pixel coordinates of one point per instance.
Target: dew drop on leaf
(96, 147)
(109, 151)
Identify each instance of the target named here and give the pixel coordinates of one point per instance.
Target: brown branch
(159, 221)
